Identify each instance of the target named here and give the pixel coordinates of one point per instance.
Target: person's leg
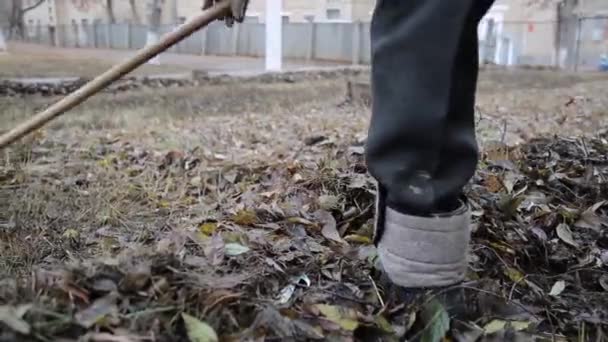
(459, 153)
(414, 46)
(421, 144)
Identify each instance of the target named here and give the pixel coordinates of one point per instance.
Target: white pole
(499, 44)
(274, 35)
(2, 42)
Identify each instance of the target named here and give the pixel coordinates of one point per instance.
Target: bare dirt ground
(30, 61)
(33, 60)
(244, 211)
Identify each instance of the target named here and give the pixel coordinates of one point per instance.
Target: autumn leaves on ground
(243, 211)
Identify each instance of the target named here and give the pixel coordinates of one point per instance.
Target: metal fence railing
(577, 43)
(592, 43)
(343, 42)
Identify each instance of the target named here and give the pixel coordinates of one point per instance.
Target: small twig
(220, 300)
(514, 286)
(478, 110)
(521, 306)
(551, 324)
(377, 292)
(504, 131)
(600, 334)
(149, 312)
(497, 255)
(362, 213)
(352, 299)
(585, 150)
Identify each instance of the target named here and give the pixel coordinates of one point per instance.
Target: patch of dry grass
(49, 65)
(73, 170)
(240, 123)
(150, 171)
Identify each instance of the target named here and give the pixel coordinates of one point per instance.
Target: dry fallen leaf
(358, 239)
(515, 275)
(328, 202)
(234, 249)
(97, 311)
(245, 217)
(286, 294)
(493, 183)
(557, 288)
(604, 282)
(207, 229)
(498, 325)
(215, 250)
(199, 331)
(589, 219)
(329, 230)
(436, 321)
(136, 278)
(346, 318)
(107, 337)
(13, 318)
(565, 234)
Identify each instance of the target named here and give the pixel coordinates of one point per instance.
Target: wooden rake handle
(100, 82)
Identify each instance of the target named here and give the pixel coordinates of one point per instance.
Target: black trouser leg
(459, 153)
(421, 143)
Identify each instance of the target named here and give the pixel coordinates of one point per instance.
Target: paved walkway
(211, 64)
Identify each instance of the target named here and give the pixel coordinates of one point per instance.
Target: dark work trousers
(421, 145)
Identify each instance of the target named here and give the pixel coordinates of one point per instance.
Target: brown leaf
(366, 240)
(214, 250)
(515, 275)
(345, 318)
(565, 234)
(12, 317)
(245, 218)
(136, 279)
(328, 202)
(196, 261)
(589, 219)
(104, 285)
(509, 205)
(107, 337)
(300, 220)
(97, 311)
(493, 183)
(329, 230)
(557, 288)
(313, 140)
(45, 279)
(172, 157)
(604, 282)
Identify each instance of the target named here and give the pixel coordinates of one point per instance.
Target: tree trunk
(134, 12)
(17, 22)
(2, 42)
(110, 11)
(154, 19)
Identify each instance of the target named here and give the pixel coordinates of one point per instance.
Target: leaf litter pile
(196, 244)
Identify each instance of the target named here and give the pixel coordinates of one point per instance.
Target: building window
(333, 14)
(285, 19)
(309, 18)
